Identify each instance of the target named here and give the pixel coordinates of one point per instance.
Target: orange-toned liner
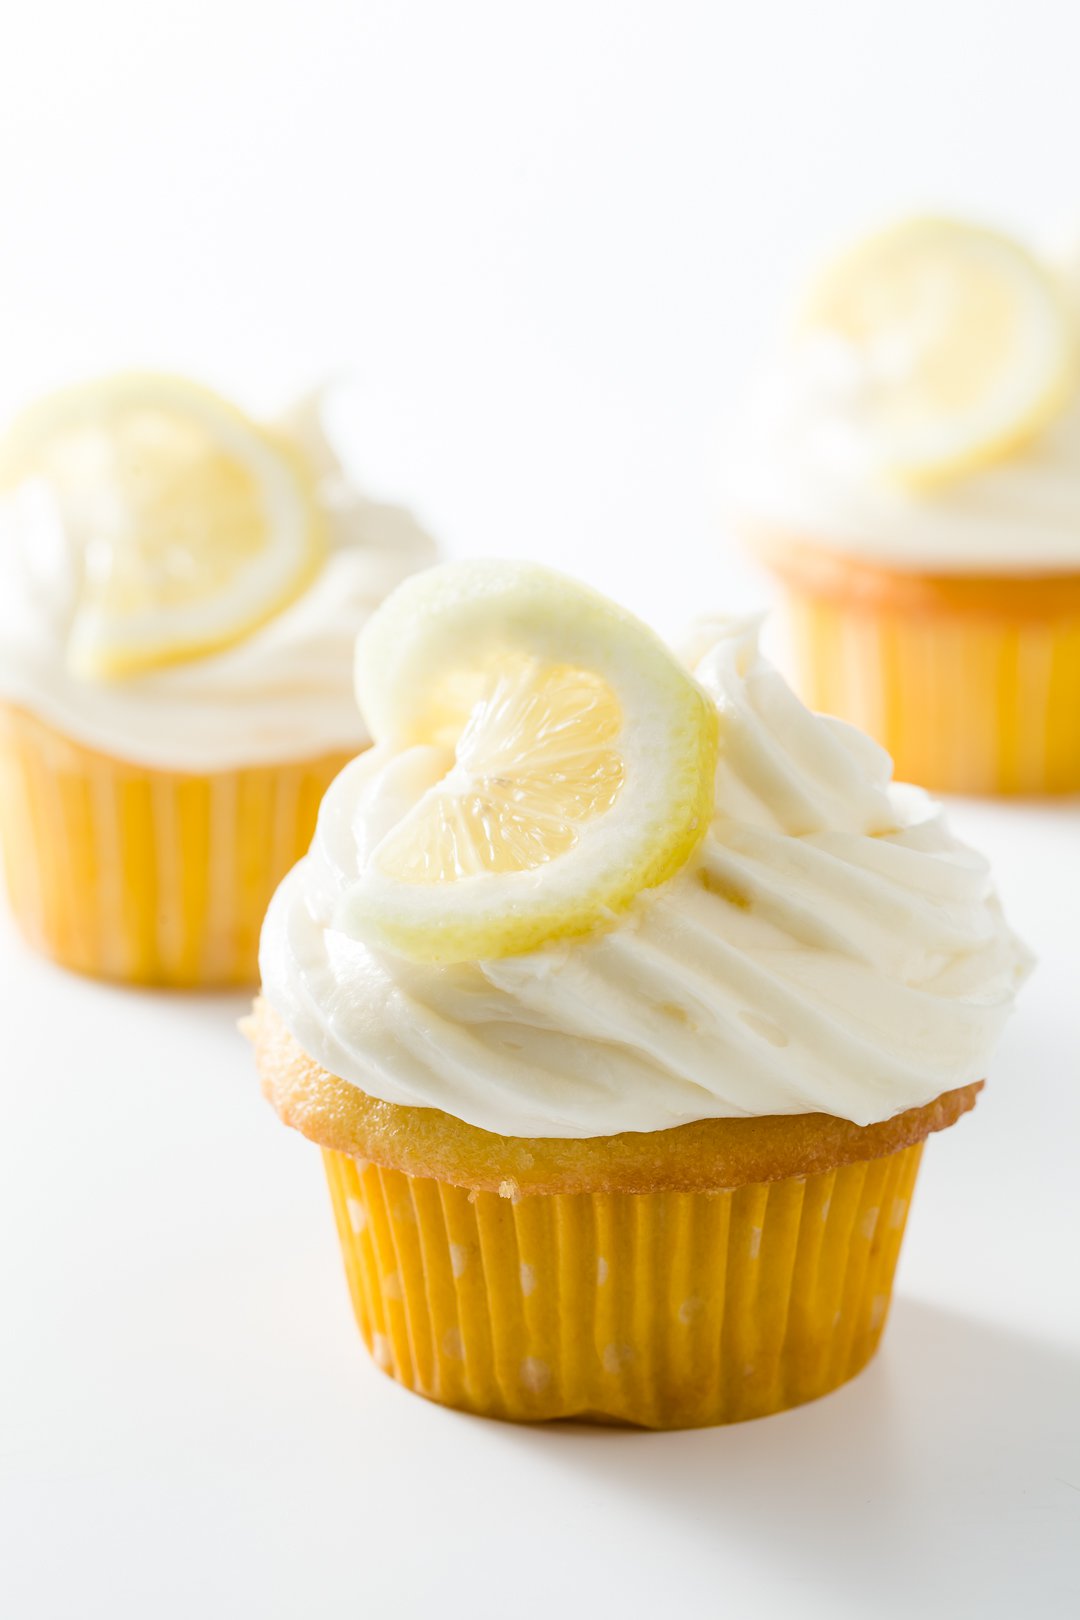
(147, 876)
(666, 1310)
(704, 1274)
(971, 683)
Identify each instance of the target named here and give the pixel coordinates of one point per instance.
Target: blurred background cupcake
(179, 593)
(909, 470)
(621, 1004)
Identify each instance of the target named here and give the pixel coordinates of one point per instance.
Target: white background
(548, 241)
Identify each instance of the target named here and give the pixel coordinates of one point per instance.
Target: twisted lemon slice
(965, 344)
(571, 761)
(190, 525)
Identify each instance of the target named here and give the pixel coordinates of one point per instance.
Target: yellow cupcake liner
(964, 702)
(147, 876)
(664, 1309)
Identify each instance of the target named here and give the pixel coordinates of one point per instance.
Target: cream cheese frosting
(830, 948)
(284, 692)
(797, 470)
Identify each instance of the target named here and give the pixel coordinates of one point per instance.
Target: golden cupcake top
(580, 888)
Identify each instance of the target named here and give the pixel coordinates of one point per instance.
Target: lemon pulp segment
(537, 759)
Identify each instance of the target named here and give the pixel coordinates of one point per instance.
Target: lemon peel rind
(98, 647)
(376, 911)
(669, 750)
(1028, 419)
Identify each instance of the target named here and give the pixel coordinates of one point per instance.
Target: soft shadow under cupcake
(848, 1492)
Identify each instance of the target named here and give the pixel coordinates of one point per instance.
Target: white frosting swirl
(285, 692)
(798, 470)
(831, 948)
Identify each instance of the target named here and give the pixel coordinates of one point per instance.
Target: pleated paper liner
(663, 1309)
(973, 686)
(147, 876)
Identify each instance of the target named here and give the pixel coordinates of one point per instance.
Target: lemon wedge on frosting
(189, 525)
(964, 345)
(568, 762)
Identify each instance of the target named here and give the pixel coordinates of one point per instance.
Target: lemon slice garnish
(568, 762)
(964, 344)
(188, 525)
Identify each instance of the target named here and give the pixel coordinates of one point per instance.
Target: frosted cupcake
(179, 595)
(621, 1003)
(910, 471)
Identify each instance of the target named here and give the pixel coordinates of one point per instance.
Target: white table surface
(190, 1427)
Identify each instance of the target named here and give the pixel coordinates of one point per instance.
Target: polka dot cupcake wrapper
(666, 1309)
(147, 876)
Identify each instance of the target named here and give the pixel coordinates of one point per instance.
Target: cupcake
(179, 594)
(621, 1001)
(909, 470)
